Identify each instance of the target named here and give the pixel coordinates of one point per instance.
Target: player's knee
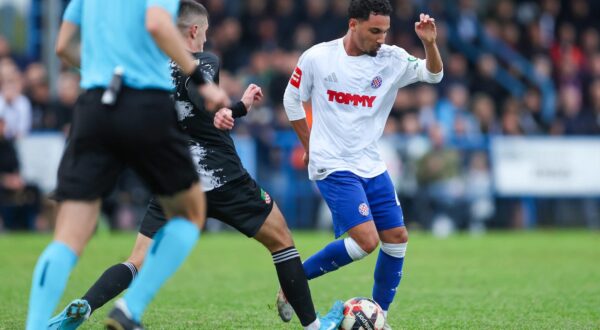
(403, 235)
(369, 243)
(395, 235)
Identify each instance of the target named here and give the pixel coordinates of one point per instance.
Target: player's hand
(214, 96)
(224, 119)
(425, 28)
(252, 94)
(305, 158)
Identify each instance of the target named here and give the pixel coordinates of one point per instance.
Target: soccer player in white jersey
(352, 83)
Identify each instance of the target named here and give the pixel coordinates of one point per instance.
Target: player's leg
(118, 277)
(394, 237)
(115, 279)
(88, 171)
(245, 206)
(347, 201)
(390, 261)
(76, 222)
(275, 236)
(171, 246)
(110, 284)
(163, 161)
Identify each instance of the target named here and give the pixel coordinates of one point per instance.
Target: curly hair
(362, 9)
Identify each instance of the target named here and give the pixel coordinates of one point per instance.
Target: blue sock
(49, 281)
(388, 272)
(330, 258)
(170, 248)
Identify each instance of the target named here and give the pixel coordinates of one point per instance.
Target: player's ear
(352, 24)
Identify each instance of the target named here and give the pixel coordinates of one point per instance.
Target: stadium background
(509, 139)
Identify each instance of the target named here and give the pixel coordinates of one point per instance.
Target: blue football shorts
(354, 200)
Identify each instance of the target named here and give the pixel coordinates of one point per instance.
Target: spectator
(485, 79)
(478, 192)
(484, 109)
(572, 119)
(14, 106)
(37, 90)
(19, 202)
(530, 115)
(441, 188)
(62, 108)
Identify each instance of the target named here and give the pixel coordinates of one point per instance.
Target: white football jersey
(352, 97)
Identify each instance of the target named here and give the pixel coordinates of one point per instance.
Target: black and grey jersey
(212, 149)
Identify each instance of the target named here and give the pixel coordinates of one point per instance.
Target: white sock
(314, 326)
(385, 314)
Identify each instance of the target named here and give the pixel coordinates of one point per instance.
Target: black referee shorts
(241, 204)
(140, 132)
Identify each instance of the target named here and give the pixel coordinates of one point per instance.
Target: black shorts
(241, 204)
(140, 132)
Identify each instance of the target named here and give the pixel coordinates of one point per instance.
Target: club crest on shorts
(376, 82)
(265, 196)
(363, 209)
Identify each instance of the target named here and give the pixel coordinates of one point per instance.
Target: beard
(373, 52)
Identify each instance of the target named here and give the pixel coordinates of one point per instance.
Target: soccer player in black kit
(233, 197)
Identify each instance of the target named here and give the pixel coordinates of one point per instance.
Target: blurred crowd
(517, 68)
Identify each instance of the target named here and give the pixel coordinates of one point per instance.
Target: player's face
(370, 34)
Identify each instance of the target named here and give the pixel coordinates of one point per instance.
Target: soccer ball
(362, 314)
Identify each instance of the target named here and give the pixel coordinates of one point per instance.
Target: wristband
(239, 110)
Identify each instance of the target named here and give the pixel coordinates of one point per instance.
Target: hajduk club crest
(376, 82)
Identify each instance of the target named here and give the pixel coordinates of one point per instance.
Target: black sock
(114, 280)
(294, 284)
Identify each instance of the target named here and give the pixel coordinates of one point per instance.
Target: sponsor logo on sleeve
(296, 78)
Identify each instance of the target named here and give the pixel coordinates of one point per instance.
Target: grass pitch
(506, 280)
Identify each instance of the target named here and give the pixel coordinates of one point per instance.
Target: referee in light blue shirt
(124, 118)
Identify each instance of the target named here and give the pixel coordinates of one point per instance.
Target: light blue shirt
(113, 33)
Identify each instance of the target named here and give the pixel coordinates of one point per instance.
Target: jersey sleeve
(299, 88)
(73, 12)
(412, 70)
(302, 77)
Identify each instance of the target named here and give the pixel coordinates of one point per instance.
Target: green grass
(512, 280)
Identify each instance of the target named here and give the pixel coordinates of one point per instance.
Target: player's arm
(159, 24)
(301, 128)
(225, 117)
(67, 45)
(298, 90)
(294, 109)
(427, 32)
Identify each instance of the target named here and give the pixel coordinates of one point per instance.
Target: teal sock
(170, 248)
(49, 281)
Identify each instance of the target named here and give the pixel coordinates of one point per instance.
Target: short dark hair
(188, 10)
(362, 9)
